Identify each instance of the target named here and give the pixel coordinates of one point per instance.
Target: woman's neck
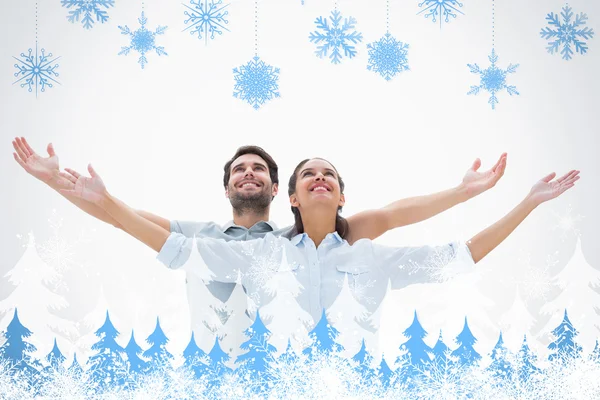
(318, 225)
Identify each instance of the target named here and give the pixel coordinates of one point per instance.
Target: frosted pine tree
(81, 343)
(208, 314)
(283, 315)
(501, 367)
(516, 322)
(36, 302)
(580, 284)
(235, 322)
(346, 315)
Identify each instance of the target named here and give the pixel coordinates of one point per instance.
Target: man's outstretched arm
(371, 224)
(47, 170)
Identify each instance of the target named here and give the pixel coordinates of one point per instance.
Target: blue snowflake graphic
(388, 56)
(336, 37)
(567, 33)
(88, 9)
(493, 79)
(256, 82)
(36, 70)
(442, 9)
(142, 40)
(207, 16)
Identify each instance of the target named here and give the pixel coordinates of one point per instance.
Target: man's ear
(227, 192)
(275, 189)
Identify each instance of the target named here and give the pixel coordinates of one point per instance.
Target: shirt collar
(231, 224)
(302, 237)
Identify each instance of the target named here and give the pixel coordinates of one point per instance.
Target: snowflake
(537, 282)
(566, 223)
(493, 79)
(440, 8)
(567, 33)
(263, 265)
(87, 8)
(359, 290)
(36, 70)
(434, 266)
(142, 40)
(388, 56)
(256, 82)
(335, 37)
(206, 18)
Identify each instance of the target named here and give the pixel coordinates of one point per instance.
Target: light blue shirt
(368, 267)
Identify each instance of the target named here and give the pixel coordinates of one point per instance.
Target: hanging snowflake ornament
(567, 33)
(440, 9)
(493, 79)
(87, 11)
(336, 37)
(36, 70)
(388, 56)
(256, 82)
(143, 40)
(207, 18)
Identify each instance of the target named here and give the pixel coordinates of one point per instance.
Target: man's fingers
(19, 151)
(73, 172)
(21, 163)
(23, 147)
(27, 146)
(50, 150)
(92, 171)
(68, 177)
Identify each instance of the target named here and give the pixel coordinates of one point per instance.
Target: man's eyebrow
(254, 164)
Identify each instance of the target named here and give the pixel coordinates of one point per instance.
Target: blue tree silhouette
(500, 367)
(364, 359)
(526, 359)
(416, 354)
(465, 352)
(18, 352)
(108, 367)
(323, 336)
(160, 358)
(193, 356)
(564, 346)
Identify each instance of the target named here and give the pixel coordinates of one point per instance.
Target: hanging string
(36, 23)
(387, 19)
(256, 28)
(493, 23)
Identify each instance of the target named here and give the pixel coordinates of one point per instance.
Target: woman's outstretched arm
(488, 239)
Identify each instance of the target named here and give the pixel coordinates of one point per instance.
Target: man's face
(250, 186)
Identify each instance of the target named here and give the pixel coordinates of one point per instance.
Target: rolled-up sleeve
(226, 260)
(422, 264)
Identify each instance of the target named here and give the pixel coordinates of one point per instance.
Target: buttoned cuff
(171, 250)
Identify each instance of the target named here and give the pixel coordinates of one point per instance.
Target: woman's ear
(342, 200)
(294, 201)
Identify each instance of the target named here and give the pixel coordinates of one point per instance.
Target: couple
(322, 247)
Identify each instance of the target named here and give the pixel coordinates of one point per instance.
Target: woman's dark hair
(341, 224)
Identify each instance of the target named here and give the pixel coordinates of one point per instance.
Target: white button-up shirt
(313, 276)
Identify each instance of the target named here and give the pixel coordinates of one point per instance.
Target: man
(251, 183)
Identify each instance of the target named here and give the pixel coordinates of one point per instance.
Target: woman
(319, 257)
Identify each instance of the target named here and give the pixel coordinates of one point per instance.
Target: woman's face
(317, 185)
